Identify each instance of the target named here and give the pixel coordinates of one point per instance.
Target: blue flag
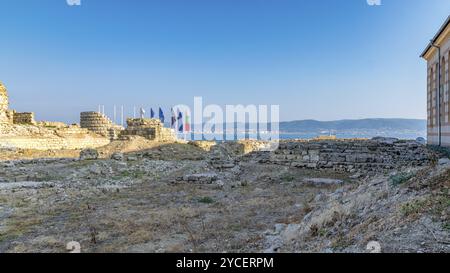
(180, 122)
(161, 115)
(152, 113)
(174, 119)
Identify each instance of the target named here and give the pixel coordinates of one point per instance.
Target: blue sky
(317, 59)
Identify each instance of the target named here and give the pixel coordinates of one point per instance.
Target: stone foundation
(350, 155)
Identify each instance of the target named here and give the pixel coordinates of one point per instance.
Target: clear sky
(317, 59)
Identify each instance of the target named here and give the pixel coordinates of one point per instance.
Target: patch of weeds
(341, 242)
(47, 177)
(205, 200)
(134, 175)
(440, 204)
(314, 231)
(414, 207)
(446, 226)
(443, 151)
(322, 232)
(287, 178)
(400, 178)
(306, 208)
(17, 228)
(244, 183)
(235, 227)
(9, 236)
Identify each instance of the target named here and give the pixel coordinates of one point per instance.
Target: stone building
(437, 55)
(151, 129)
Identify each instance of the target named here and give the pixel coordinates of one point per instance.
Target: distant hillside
(360, 124)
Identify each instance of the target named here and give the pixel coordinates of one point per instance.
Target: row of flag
(179, 122)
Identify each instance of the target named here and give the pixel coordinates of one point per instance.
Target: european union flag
(152, 113)
(180, 122)
(161, 115)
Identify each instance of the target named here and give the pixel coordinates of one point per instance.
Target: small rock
(385, 140)
(444, 161)
(323, 181)
(95, 169)
(201, 178)
(117, 156)
(279, 228)
(421, 141)
(89, 154)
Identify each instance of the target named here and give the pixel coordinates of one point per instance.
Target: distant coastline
(358, 128)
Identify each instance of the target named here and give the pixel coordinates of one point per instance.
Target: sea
(364, 134)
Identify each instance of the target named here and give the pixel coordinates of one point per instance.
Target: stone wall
(23, 118)
(40, 138)
(98, 123)
(5, 115)
(350, 155)
(151, 129)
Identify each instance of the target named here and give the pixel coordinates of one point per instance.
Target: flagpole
(122, 116)
(115, 114)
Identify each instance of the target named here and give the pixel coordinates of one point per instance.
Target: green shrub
(206, 200)
(400, 178)
(442, 151)
(288, 178)
(413, 207)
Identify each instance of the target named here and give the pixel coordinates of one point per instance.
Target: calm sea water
(343, 135)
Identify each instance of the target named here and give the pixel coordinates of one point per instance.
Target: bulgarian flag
(187, 123)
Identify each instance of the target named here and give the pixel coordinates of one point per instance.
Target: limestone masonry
(100, 124)
(151, 129)
(5, 115)
(351, 155)
(20, 130)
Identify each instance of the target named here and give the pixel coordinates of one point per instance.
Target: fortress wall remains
(351, 155)
(5, 114)
(23, 118)
(100, 124)
(151, 129)
(40, 138)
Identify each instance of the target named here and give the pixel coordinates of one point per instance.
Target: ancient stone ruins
(20, 130)
(140, 189)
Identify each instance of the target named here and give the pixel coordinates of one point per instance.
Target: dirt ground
(171, 198)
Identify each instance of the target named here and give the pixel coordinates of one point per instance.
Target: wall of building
(432, 95)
